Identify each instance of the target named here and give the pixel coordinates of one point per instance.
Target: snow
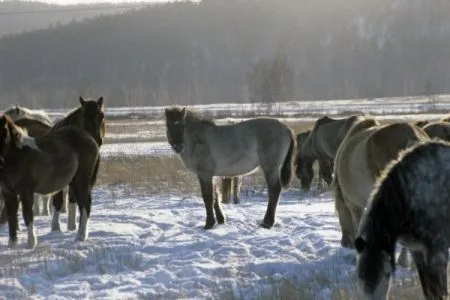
(155, 247)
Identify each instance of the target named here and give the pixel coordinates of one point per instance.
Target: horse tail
(286, 168)
(95, 172)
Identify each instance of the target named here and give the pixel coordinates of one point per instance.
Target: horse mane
(19, 112)
(71, 118)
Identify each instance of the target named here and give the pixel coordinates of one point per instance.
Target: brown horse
(440, 130)
(325, 165)
(363, 154)
(45, 165)
(90, 117)
(322, 144)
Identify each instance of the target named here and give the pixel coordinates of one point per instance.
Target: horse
(324, 165)
(90, 117)
(45, 165)
(207, 150)
(37, 123)
(439, 130)
(363, 154)
(18, 112)
(322, 144)
(410, 203)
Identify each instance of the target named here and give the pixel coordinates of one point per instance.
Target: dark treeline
(210, 52)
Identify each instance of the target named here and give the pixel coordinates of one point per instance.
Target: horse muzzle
(178, 148)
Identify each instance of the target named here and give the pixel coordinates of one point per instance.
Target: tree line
(233, 51)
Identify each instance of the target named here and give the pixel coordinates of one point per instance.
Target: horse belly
(234, 165)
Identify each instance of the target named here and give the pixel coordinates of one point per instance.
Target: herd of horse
(38, 157)
(390, 182)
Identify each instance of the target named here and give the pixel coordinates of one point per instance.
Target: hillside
(203, 53)
(19, 16)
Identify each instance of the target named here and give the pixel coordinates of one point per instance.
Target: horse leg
(80, 190)
(236, 189)
(36, 208)
(72, 211)
(402, 259)
(226, 189)
(346, 222)
(45, 204)
(12, 207)
(274, 190)
(218, 210)
(432, 273)
(57, 204)
(27, 199)
(206, 187)
(65, 199)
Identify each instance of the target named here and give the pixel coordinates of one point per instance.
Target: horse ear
(360, 244)
(100, 102)
(82, 101)
(183, 111)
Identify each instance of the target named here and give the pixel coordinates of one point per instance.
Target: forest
(233, 51)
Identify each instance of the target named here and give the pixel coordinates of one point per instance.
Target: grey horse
(210, 150)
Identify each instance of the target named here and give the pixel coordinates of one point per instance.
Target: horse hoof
(31, 244)
(12, 244)
(345, 243)
(209, 226)
(266, 225)
(56, 229)
(221, 220)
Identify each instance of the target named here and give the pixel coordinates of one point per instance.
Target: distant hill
(20, 16)
(215, 50)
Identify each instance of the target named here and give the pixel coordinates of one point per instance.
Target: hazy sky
(64, 2)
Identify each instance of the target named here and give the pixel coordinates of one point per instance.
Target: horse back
(35, 128)
(385, 144)
(439, 130)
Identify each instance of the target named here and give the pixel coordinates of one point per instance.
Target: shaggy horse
(325, 165)
(410, 203)
(363, 154)
(90, 117)
(37, 123)
(440, 130)
(44, 165)
(209, 150)
(322, 144)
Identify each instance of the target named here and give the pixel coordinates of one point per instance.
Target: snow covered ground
(154, 247)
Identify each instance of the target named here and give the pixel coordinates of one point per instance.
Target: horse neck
(72, 119)
(388, 209)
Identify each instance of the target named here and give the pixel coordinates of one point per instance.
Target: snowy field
(153, 246)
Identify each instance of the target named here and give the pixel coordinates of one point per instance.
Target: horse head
(175, 124)
(93, 118)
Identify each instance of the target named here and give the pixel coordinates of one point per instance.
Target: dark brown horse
(45, 165)
(90, 117)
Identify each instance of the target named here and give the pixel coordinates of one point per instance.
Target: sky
(67, 2)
